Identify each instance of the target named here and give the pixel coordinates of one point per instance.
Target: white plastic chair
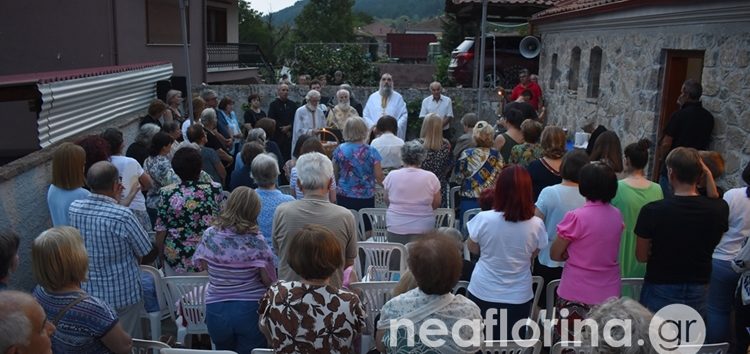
(632, 287)
(360, 227)
(285, 189)
(549, 306)
(379, 196)
(155, 318)
(558, 347)
(377, 260)
(377, 220)
(461, 285)
(190, 292)
(451, 204)
(468, 215)
(445, 217)
(537, 284)
(373, 296)
(195, 351)
(262, 351)
(141, 346)
(526, 346)
(717, 348)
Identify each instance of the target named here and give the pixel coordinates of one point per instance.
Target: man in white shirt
(439, 104)
(388, 144)
(308, 119)
(386, 102)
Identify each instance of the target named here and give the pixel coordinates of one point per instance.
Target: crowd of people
(200, 196)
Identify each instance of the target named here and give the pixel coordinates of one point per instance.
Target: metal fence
(228, 56)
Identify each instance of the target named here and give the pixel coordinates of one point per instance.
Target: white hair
(264, 169)
(621, 309)
(256, 134)
(208, 116)
(314, 171)
(14, 325)
(312, 94)
(146, 132)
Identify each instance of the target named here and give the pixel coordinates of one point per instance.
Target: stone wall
(464, 100)
(23, 207)
(631, 78)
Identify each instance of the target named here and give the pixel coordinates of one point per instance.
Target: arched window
(595, 71)
(575, 66)
(553, 72)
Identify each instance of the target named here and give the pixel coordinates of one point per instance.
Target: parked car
(502, 62)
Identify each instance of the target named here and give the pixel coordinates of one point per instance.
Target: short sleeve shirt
(356, 163)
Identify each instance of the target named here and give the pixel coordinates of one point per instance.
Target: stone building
(622, 62)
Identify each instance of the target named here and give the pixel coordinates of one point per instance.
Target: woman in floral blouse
(240, 268)
(530, 150)
(439, 159)
(356, 168)
(310, 316)
(184, 212)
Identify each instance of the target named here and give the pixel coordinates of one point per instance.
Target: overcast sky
(263, 6)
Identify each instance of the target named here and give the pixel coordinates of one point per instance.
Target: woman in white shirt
(411, 194)
(507, 239)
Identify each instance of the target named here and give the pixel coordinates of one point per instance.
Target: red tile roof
(53, 76)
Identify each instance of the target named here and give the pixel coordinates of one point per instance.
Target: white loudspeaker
(530, 47)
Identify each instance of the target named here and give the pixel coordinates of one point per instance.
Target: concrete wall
(23, 206)
(464, 100)
(43, 35)
(632, 74)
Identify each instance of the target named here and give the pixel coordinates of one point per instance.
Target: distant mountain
(375, 8)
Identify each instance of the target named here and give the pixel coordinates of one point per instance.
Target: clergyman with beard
(310, 118)
(386, 102)
(341, 111)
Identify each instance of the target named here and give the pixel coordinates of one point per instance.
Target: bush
(322, 59)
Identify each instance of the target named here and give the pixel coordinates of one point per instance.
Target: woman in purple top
(240, 268)
(588, 240)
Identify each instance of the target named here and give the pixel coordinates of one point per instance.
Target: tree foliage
(254, 28)
(326, 21)
(351, 59)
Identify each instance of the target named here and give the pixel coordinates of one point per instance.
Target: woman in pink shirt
(411, 194)
(588, 240)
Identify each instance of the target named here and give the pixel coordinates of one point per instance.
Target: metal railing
(228, 56)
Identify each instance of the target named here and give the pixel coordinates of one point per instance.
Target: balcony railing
(235, 56)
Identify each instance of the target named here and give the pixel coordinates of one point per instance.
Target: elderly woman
(214, 139)
(240, 268)
(508, 238)
(227, 118)
(341, 111)
(297, 316)
(241, 177)
(545, 171)
(259, 135)
(588, 241)
(477, 167)
(184, 212)
(265, 171)
(309, 118)
(174, 107)
(140, 147)
(435, 263)
(68, 163)
(438, 159)
(269, 127)
(132, 176)
(357, 168)
(159, 167)
(411, 194)
(85, 324)
(623, 310)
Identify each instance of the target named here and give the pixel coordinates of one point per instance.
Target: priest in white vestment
(386, 102)
(308, 119)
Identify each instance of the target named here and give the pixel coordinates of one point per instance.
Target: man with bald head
(115, 241)
(386, 102)
(439, 104)
(24, 328)
(282, 110)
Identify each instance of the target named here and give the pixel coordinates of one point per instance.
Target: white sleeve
(403, 118)
(368, 113)
(449, 113)
(423, 111)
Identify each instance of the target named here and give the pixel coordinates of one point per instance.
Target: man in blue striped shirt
(115, 241)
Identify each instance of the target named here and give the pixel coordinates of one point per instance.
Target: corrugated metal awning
(73, 106)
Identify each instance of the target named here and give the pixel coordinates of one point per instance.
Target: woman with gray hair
(139, 149)
(357, 167)
(620, 309)
(411, 194)
(265, 171)
(214, 139)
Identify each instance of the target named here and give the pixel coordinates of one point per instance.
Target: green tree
(253, 28)
(326, 21)
(352, 59)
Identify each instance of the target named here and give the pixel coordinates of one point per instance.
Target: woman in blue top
(68, 164)
(357, 168)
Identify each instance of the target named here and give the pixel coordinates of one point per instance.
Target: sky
(274, 5)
